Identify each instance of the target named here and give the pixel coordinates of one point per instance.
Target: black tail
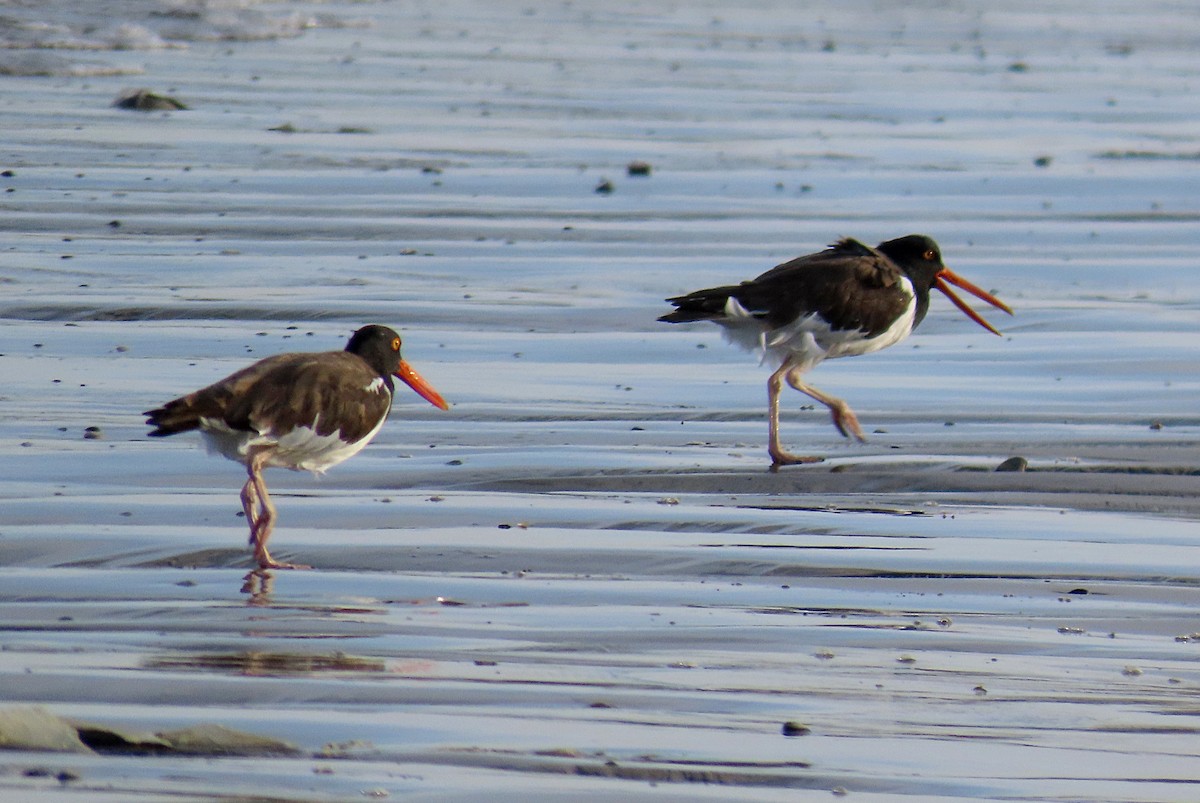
(172, 418)
(702, 305)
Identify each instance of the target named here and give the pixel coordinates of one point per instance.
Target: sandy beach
(582, 580)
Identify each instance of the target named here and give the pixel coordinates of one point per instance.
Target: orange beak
(423, 388)
(946, 277)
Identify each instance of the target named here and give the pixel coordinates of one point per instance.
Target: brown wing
(285, 391)
(215, 401)
(337, 390)
(851, 285)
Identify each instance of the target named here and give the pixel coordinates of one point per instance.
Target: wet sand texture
(582, 580)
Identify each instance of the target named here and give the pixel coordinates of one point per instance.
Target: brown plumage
(298, 411)
(260, 398)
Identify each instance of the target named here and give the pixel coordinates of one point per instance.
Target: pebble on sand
(143, 100)
(795, 729)
(1014, 463)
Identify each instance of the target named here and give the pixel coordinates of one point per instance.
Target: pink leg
(262, 522)
(250, 507)
(780, 456)
(843, 417)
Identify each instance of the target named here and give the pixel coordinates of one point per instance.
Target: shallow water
(582, 579)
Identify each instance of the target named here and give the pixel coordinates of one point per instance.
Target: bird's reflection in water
(258, 584)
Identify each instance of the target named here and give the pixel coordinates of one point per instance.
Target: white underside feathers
(301, 449)
(809, 339)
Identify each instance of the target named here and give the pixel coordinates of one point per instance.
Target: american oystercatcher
(847, 300)
(303, 411)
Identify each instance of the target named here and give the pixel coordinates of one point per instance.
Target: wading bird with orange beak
(303, 411)
(847, 300)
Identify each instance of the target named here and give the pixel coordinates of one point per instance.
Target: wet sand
(583, 579)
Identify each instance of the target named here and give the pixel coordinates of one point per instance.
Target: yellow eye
(395, 344)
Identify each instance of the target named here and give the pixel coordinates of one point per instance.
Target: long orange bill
(423, 388)
(946, 277)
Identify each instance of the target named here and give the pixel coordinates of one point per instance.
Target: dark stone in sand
(1013, 464)
(143, 100)
(795, 729)
(638, 168)
(604, 187)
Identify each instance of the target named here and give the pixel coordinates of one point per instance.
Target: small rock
(93, 434)
(795, 729)
(1156, 425)
(143, 100)
(1013, 464)
(605, 187)
(638, 168)
(1131, 671)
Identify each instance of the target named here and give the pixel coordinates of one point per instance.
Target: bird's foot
(265, 561)
(847, 423)
(782, 458)
(271, 563)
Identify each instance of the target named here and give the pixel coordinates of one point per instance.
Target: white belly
(302, 449)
